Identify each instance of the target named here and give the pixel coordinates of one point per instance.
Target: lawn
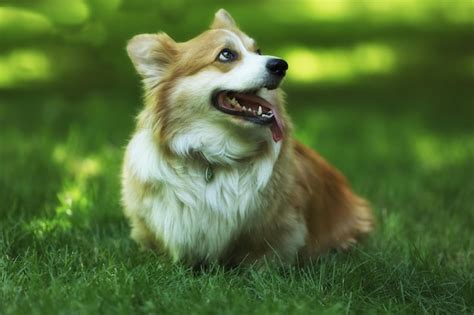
(65, 246)
(384, 94)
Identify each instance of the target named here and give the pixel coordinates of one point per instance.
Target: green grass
(64, 245)
(404, 137)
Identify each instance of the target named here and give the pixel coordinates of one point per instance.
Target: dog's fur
(272, 199)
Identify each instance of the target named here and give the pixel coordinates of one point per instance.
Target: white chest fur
(188, 214)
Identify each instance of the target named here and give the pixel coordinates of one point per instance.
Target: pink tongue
(277, 125)
(277, 129)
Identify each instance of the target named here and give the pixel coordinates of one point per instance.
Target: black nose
(277, 67)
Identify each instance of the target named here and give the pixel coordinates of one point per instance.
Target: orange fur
(334, 215)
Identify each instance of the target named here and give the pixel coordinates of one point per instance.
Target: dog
(212, 173)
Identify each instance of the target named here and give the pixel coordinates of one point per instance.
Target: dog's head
(215, 94)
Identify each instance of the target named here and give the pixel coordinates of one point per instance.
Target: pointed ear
(151, 55)
(222, 19)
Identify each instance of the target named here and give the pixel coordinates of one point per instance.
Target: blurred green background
(381, 84)
(361, 47)
(384, 89)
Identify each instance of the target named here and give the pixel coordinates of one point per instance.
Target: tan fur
(305, 195)
(334, 215)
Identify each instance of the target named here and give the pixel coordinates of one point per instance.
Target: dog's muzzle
(276, 69)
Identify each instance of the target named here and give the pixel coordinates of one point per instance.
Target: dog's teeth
(259, 112)
(233, 101)
(244, 108)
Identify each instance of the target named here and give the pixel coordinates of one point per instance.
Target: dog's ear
(151, 55)
(222, 19)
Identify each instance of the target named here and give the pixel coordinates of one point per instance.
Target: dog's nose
(277, 66)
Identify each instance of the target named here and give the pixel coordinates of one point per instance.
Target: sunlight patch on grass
(42, 227)
(329, 10)
(16, 20)
(73, 203)
(80, 167)
(74, 198)
(434, 153)
(24, 66)
(71, 12)
(338, 65)
(394, 11)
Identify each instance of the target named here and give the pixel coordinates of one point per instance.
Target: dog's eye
(226, 55)
(259, 52)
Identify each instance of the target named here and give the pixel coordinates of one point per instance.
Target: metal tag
(209, 174)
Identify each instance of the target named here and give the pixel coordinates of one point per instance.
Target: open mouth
(250, 107)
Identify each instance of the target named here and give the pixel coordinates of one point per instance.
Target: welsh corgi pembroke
(212, 173)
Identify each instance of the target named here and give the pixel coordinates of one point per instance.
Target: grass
(64, 245)
(405, 140)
